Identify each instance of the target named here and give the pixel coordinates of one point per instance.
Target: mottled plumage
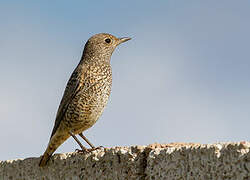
(86, 93)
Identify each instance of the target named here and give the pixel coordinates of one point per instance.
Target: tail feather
(56, 140)
(44, 159)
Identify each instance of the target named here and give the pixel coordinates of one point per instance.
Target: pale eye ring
(108, 40)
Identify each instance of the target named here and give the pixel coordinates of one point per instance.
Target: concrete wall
(156, 161)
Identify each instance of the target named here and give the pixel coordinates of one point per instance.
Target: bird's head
(101, 46)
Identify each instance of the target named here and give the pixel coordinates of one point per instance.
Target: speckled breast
(89, 103)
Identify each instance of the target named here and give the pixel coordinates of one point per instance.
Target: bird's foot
(82, 150)
(85, 150)
(95, 148)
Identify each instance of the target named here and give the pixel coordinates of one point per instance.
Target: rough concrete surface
(156, 161)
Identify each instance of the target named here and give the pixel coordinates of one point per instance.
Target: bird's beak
(123, 39)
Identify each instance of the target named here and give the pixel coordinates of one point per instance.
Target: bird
(86, 93)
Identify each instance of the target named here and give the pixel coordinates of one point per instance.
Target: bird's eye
(107, 40)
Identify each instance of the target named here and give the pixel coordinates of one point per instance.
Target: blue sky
(184, 77)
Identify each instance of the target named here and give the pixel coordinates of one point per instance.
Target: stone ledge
(156, 161)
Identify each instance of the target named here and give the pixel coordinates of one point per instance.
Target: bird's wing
(72, 88)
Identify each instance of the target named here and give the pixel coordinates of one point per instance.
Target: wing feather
(72, 88)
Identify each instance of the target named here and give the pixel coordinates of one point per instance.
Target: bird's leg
(84, 149)
(85, 139)
(91, 145)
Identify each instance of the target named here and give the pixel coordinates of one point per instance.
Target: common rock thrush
(86, 93)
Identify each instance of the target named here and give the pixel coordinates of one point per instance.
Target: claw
(99, 147)
(88, 150)
(82, 150)
(93, 149)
